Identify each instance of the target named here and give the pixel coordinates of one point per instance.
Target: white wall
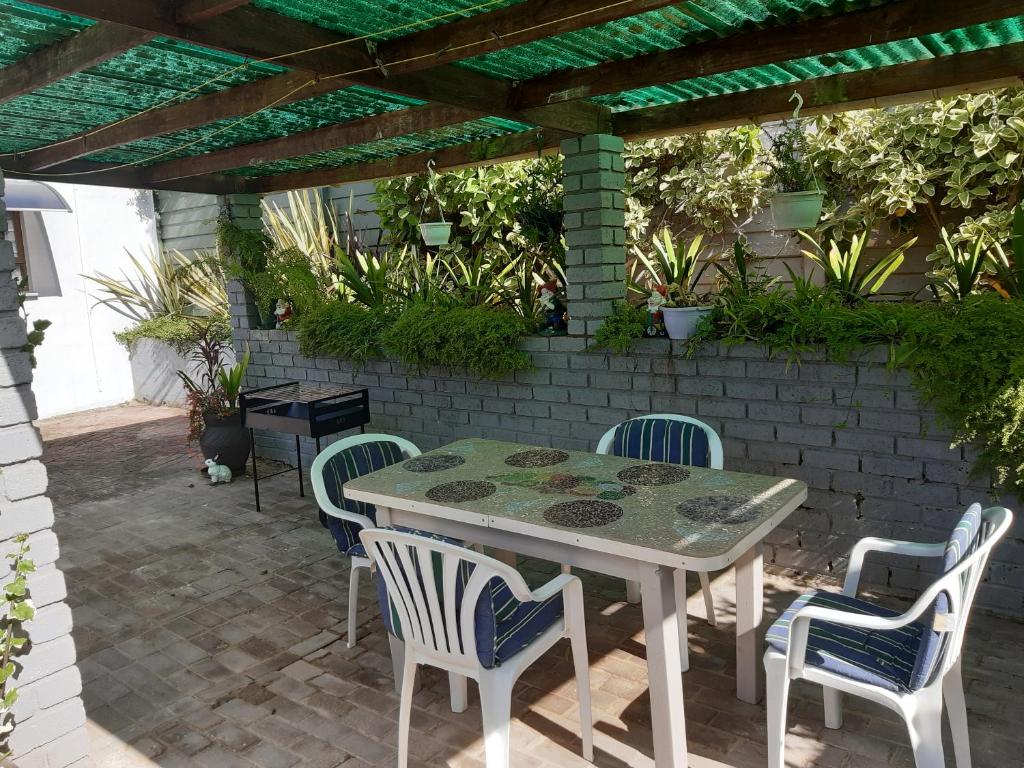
(81, 365)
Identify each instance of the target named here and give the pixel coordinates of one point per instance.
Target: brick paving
(209, 635)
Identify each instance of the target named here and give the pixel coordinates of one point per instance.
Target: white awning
(24, 195)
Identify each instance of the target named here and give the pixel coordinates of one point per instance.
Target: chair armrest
(888, 546)
(329, 508)
(560, 583)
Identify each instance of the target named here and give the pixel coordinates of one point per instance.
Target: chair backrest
(344, 460)
(435, 592)
(966, 557)
(665, 437)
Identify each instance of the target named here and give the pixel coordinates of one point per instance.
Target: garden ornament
(553, 305)
(655, 317)
(218, 472)
(282, 312)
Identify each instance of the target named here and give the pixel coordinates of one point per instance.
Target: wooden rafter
(86, 49)
(113, 175)
(882, 24)
(900, 84)
(260, 34)
(383, 126)
(194, 11)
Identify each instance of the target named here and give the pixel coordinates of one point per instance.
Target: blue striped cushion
(883, 658)
(962, 542)
(346, 465)
(503, 625)
(673, 442)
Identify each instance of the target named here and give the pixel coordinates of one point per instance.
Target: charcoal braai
(304, 409)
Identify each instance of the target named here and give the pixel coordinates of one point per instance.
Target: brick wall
(49, 715)
(875, 461)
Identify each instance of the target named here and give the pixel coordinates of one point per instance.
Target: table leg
(504, 556)
(298, 457)
(749, 613)
(664, 667)
(255, 473)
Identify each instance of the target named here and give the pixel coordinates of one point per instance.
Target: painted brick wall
(49, 715)
(876, 463)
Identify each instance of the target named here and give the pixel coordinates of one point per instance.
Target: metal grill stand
(303, 409)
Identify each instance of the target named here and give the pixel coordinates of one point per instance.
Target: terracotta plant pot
(436, 232)
(797, 210)
(681, 322)
(226, 440)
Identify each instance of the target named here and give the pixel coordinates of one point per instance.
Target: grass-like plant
(621, 328)
(845, 269)
(165, 282)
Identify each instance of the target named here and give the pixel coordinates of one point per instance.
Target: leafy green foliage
(1007, 264)
(959, 278)
(341, 329)
(17, 609)
(622, 327)
(966, 359)
(179, 332)
(478, 339)
(845, 270)
(787, 157)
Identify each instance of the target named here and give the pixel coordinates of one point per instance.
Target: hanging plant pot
(436, 232)
(681, 322)
(797, 210)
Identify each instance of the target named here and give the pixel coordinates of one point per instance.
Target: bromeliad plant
(845, 270)
(963, 270)
(672, 262)
(17, 609)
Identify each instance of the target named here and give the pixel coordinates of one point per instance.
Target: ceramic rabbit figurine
(218, 472)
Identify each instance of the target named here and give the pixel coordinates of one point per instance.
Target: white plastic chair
(437, 620)
(331, 466)
(944, 606)
(715, 460)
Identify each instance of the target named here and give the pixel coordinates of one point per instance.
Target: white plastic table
(638, 520)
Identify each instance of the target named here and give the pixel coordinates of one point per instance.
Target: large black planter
(226, 440)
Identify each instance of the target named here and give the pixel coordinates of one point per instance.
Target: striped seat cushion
(503, 625)
(962, 542)
(673, 442)
(346, 465)
(883, 658)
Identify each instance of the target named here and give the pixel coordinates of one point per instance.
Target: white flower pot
(436, 232)
(681, 322)
(797, 210)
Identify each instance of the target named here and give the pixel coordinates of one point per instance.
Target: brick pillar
(49, 715)
(595, 221)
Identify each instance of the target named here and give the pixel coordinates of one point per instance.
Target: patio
(214, 641)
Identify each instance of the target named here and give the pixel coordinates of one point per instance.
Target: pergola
(253, 96)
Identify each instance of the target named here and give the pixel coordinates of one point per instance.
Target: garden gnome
(218, 472)
(282, 312)
(655, 319)
(554, 309)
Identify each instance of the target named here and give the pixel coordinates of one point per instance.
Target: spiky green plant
(845, 270)
(672, 262)
(964, 265)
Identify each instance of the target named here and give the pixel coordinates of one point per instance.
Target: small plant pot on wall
(226, 440)
(681, 322)
(436, 233)
(797, 210)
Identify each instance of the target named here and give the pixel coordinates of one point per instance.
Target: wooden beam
(260, 34)
(899, 84)
(383, 126)
(196, 112)
(194, 11)
(68, 57)
(815, 37)
(486, 152)
(111, 175)
(518, 24)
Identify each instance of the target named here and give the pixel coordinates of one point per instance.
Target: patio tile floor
(211, 635)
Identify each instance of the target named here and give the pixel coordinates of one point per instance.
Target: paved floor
(208, 635)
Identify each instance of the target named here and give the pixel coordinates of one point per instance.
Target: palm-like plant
(1008, 268)
(165, 283)
(673, 262)
(481, 279)
(845, 270)
(958, 281)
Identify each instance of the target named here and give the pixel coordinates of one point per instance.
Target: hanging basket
(797, 210)
(435, 232)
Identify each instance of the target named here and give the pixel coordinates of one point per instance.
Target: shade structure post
(595, 229)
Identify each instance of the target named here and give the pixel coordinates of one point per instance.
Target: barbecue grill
(304, 409)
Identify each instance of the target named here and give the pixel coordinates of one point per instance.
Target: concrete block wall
(49, 715)
(875, 460)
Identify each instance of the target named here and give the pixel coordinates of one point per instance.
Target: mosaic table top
(613, 504)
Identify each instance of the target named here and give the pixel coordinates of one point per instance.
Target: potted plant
(682, 310)
(434, 233)
(214, 419)
(798, 198)
(671, 276)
